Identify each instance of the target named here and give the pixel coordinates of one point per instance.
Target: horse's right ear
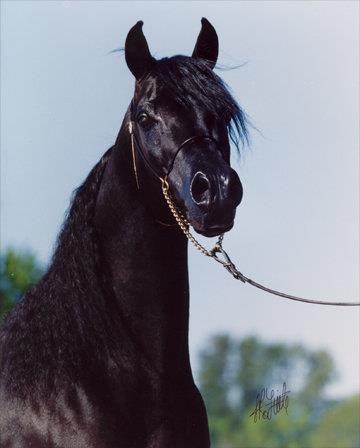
(137, 54)
(207, 44)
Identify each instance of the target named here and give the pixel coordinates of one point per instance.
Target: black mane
(66, 307)
(192, 82)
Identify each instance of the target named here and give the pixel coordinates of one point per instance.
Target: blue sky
(63, 97)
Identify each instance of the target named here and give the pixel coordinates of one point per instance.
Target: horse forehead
(147, 90)
(152, 92)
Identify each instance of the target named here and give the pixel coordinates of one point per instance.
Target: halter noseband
(138, 148)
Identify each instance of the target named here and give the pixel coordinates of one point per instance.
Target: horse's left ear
(207, 44)
(137, 53)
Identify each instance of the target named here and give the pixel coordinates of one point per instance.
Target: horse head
(183, 117)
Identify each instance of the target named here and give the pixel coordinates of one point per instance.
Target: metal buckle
(226, 262)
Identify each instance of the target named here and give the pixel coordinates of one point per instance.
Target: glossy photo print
(179, 240)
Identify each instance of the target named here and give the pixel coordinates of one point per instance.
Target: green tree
(19, 271)
(216, 377)
(233, 372)
(260, 364)
(339, 427)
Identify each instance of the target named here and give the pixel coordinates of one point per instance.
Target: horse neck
(144, 264)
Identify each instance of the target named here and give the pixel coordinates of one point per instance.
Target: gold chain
(183, 222)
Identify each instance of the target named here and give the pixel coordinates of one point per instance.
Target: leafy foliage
(233, 372)
(19, 271)
(339, 426)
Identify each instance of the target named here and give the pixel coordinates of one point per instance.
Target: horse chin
(211, 231)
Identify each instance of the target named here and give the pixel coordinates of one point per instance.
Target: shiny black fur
(96, 355)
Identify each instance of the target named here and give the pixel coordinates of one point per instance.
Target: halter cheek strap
(134, 139)
(133, 154)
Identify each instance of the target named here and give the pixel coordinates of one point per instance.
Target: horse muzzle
(213, 199)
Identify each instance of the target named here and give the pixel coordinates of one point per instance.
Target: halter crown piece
(217, 253)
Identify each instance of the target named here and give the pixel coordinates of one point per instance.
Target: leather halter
(131, 126)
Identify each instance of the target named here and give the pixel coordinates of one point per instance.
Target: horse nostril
(200, 189)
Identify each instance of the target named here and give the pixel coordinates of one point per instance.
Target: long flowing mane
(66, 307)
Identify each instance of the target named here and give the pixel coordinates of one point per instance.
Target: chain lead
(226, 261)
(218, 249)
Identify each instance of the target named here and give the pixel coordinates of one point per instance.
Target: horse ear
(207, 44)
(137, 53)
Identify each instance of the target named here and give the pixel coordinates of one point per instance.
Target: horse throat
(144, 266)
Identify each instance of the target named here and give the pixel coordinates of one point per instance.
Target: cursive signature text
(269, 404)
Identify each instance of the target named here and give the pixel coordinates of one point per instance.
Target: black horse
(96, 355)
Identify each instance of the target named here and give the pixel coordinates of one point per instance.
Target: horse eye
(142, 117)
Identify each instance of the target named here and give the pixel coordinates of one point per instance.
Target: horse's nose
(228, 187)
(200, 189)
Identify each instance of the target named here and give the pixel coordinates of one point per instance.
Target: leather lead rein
(218, 253)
